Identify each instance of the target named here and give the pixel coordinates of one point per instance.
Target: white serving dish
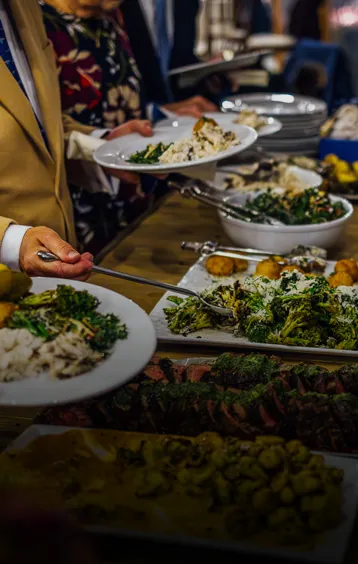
(282, 239)
(198, 279)
(308, 177)
(330, 549)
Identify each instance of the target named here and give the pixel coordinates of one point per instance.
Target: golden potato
(331, 159)
(342, 167)
(346, 177)
(6, 310)
(241, 265)
(291, 268)
(220, 266)
(349, 266)
(268, 268)
(340, 279)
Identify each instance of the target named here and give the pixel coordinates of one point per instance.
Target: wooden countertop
(153, 251)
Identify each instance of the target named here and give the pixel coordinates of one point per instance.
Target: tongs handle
(196, 194)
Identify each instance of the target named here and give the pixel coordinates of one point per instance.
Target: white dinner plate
(228, 120)
(278, 105)
(308, 177)
(127, 359)
(270, 41)
(115, 154)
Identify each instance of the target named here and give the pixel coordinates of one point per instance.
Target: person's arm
(19, 245)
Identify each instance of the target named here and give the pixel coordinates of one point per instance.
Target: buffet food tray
(330, 550)
(197, 278)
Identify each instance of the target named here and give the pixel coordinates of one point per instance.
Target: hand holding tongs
(237, 211)
(50, 257)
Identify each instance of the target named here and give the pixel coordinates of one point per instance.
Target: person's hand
(72, 264)
(84, 8)
(194, 107)
(144, 128)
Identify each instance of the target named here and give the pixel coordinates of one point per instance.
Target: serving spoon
(49, 257)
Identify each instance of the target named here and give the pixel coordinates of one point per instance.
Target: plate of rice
(66, 341)
(172, 149)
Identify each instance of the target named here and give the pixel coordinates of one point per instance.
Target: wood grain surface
(153, 250)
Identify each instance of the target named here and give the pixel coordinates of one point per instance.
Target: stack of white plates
(301, 119)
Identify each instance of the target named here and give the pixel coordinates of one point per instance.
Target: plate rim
(249, 139)
(61, 393)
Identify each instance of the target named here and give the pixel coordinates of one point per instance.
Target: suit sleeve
(70, 125)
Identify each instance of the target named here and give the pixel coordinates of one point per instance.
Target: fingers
(57, 269)
(191, 110)
(203, 104)
(72, 264)
(87, 256)
(59, 247)
(143, 127)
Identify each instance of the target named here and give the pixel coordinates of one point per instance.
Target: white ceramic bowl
(282, 239)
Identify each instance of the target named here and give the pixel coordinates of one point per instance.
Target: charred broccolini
(296, 310)
(65, 309)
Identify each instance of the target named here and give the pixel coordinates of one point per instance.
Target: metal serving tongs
(237, 211)
(310, 259)
(49, 257)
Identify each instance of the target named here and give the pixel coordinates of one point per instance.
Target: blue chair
(329, 62)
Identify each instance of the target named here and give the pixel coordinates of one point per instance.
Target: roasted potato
(6, 310)
(349, 266)
(241, 265)
(291, 268)
(331, 159)
(340, 279)
(220, 266)
(268, 268)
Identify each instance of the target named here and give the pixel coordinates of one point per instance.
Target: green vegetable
(50, 313)
(295, 310)
(107, 330)
(150, 155)
(311, 206)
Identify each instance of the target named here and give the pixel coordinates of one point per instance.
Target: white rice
(23, 355)
(208, 141)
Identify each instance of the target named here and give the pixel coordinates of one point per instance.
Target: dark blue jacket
(185, 12)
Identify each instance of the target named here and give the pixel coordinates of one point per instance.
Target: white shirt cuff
(100, 133)
(11, 244)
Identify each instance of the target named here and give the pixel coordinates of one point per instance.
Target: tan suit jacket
(33, 187)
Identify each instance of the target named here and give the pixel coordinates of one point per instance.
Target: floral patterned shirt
(100, 82)
(100, 86)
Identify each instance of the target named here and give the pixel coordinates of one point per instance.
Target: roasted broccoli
(50, 313)
(294, 310)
